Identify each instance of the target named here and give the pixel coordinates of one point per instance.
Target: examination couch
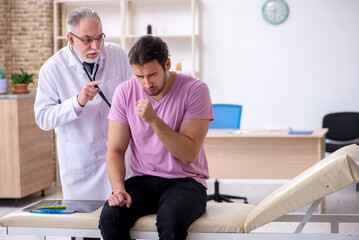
(227, 220)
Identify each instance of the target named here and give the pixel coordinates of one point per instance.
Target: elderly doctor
(73, 97)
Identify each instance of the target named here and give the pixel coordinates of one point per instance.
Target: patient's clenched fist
(120, 198)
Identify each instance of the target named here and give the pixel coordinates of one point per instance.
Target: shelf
(60, 38)
(106, 39)
(127, 20)
(164, 36)
(155, 1)
(87, 1)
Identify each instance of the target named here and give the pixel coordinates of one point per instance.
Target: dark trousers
(177, 202)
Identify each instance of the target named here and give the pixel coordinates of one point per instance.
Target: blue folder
(300, 132)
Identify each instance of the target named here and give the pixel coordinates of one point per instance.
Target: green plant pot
(20, 88)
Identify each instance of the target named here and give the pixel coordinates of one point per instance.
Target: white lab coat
(82, 137)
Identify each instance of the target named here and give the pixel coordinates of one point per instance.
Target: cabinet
(124, 21)
(26, 151)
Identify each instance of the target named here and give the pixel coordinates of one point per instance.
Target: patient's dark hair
(147, 49)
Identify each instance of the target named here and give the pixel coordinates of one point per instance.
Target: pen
(52, 207)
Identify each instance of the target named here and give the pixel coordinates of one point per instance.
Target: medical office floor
(345, 201)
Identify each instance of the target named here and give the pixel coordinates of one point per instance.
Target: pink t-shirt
(188, 98)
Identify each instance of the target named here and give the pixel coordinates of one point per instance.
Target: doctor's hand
(120, 198)
(145, 111)
(88, 93)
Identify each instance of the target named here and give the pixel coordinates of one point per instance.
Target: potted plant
(3, 82)
(21, 81)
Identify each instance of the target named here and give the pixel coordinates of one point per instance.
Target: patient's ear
(168, 64)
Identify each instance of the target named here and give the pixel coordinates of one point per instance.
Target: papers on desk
(289, 130)
(239, 132)
(261, 131)
(279, 129)
(283, 130)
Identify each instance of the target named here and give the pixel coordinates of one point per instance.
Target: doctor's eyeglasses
(88, 40)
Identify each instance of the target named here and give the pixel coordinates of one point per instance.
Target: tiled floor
(344, 201)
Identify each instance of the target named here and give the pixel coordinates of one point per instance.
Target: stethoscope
(84, 65)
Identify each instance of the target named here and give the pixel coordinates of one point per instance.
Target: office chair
(226, 116)
(343, 130)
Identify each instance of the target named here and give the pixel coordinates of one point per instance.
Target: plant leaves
(23, 78)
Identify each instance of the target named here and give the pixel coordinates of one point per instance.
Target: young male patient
(164, 116)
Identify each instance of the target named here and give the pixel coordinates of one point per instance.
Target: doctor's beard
(83, 57)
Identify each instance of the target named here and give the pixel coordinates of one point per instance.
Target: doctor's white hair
(79, 13)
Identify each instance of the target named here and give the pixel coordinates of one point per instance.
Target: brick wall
(26, 38)
(4, 37)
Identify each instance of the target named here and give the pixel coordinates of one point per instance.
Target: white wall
(285, 75)
(291, 74)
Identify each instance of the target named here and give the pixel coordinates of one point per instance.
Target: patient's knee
(114, 224)
(172, 228)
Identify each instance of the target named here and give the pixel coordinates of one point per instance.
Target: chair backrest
(343, 126)
(226, 116)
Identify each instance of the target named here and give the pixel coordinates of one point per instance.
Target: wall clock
(275, 11)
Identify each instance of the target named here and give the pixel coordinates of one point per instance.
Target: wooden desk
(261, 154)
